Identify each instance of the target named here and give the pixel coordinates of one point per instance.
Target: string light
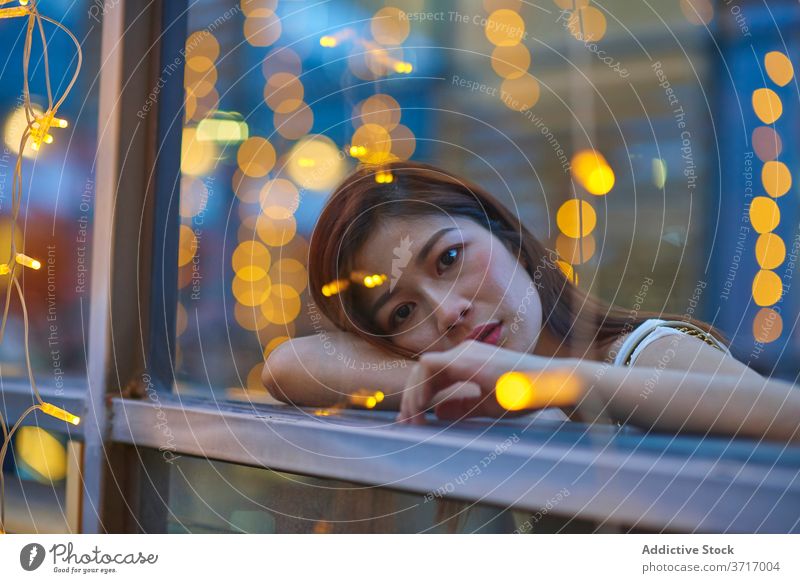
(38, 131)
(332, 40)
(60, 413)
(335, 287)
(516, 391)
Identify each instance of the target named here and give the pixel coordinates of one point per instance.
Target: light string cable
(37, 129)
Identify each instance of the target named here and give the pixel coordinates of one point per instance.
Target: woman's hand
(460, 382)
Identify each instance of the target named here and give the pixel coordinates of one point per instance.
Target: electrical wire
(38, 126)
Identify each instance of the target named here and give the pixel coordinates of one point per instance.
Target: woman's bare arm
(744, 404)
(323, 370)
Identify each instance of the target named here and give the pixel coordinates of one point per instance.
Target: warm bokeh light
(403, 142)
(376, 141)
(520, 94)
(283, 304)
(380, 109)
(256, 157)
(315, 163)
(197, 156)
(568, 271)
(276, 232)
(516, 391)
(390, 26)
(249, 255)
(587, 24)
(202, 44)
(576, 218)
(194, 196)
(764, 214)
(779, 68)
(284, 92)
(252, 7)
(770, 250)
(511, 62)
(14, 127)
(282, 60)
(767, 288)
(40, 454)
(575, 251)
(200, 83)
(250, 317)
(571, 4)
(767, 105)
(335, 287)
(697, 12)
(767, 326)
(262, 27)
(593, 172)
(767, 143)
(187, 245)
(279, 198)
(504, 28)
(289, 272)
(251, 293)
(776, 178)
(273, 344)
(295, 124)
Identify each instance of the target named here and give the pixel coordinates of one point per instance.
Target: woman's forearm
(743, 405)
(326, 369)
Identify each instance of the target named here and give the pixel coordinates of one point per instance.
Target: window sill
(619, 476)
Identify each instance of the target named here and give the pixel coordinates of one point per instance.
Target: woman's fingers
(413, 403)
(464, 399)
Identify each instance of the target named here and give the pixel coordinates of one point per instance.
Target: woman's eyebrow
(418, 260)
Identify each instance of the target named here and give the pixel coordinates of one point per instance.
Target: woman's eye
(400, 314)
(449, 257)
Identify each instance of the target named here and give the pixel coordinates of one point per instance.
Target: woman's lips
(493, 337)
(490, 333)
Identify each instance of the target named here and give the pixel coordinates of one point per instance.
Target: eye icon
(31, 556)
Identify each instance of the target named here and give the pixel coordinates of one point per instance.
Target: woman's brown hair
(360, 203)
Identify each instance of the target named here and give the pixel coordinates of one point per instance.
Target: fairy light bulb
(14, 12)
(334, 287)
(366, 401)
(358, 151)
(40, 128)
(60, 413)
(516, 391)
(26, 261)
(371, 281)
(328, 41)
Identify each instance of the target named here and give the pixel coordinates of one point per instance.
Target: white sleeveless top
(651, 330)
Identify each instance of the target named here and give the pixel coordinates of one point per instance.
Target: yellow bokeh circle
(767, 288)
(770, 250)
(576, 218)
(776, 178)
(764, 214)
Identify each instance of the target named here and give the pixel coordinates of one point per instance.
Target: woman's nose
(450, 313)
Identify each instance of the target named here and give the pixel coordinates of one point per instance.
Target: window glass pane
(209, 497)
(58, 194)
(36, 471)
(277, 91)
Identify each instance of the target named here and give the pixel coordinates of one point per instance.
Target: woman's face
(447, 280)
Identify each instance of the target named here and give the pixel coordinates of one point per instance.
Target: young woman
(431, 290)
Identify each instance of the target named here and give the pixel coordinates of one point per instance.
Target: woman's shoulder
(653, 329)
